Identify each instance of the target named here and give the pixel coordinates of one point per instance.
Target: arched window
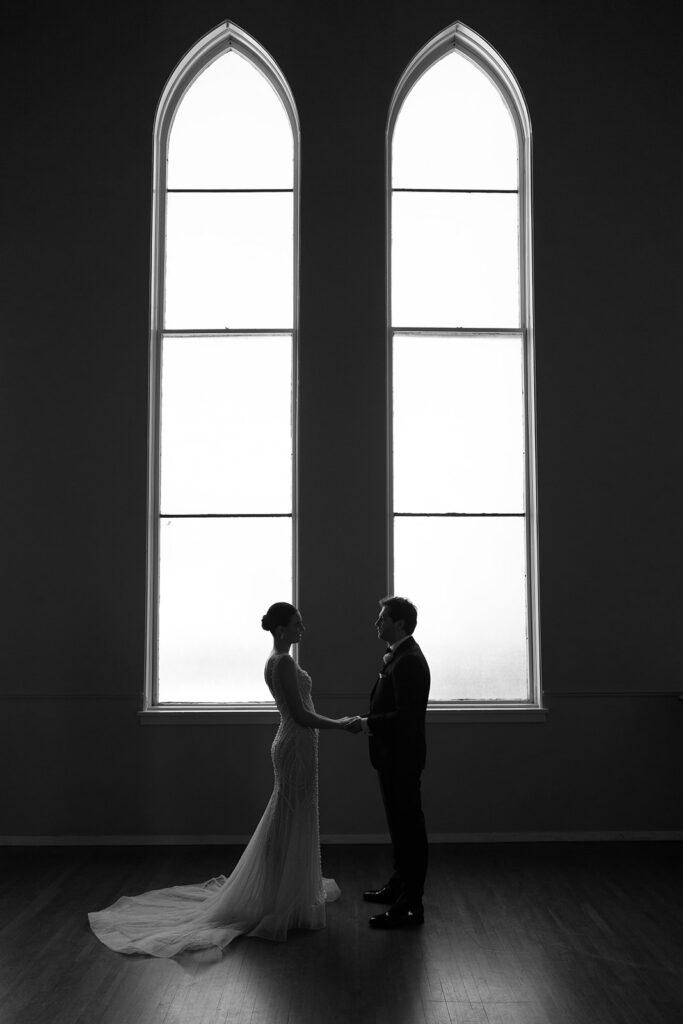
(223, 350)
(461, 359)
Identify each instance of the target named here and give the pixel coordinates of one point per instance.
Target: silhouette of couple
(277, 884)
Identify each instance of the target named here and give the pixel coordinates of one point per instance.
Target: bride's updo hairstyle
(278, 614)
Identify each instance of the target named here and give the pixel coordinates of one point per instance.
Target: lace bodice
(303, 680)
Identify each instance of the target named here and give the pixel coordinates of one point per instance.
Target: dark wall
(81, 87)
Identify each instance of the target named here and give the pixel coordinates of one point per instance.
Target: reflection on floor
(514, 934)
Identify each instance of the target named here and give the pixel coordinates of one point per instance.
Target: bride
(277, 883)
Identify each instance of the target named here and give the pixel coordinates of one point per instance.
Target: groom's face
(386, 628)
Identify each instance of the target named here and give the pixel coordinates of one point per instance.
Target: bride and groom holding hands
(277, 884)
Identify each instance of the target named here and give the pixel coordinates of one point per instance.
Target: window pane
(467, 578)
(455, 260)
(226, 418)
(217, 577)
(230, 131)
(229, 260)
(454, 130)
(458, 409)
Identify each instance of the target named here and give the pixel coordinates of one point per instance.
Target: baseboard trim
(344, 839)
(436, 838)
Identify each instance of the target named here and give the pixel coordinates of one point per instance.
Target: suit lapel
(408, 645)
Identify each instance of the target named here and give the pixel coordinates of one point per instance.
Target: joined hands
(351, 723)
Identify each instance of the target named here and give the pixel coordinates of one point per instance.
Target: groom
(396, 728)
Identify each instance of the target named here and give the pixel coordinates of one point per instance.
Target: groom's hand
(354, 725)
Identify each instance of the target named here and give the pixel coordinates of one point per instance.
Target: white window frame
(225, 37)
(464, 40)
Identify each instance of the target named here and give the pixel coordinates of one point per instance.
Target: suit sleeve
(410, 681)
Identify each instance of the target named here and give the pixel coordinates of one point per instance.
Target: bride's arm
(290, 690)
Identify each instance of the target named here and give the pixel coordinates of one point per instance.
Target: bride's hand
(351, 723)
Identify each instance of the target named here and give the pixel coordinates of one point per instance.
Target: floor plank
(514, 934)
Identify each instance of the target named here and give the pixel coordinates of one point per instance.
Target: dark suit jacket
(398, 703)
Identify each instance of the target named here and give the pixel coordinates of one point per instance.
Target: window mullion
(459, 332)
(188, 332)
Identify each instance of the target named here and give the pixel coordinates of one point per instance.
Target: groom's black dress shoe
(399, 917)
(387, 894)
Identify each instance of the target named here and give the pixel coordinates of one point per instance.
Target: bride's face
(294, 629)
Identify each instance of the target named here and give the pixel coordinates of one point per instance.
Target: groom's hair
(401, 608)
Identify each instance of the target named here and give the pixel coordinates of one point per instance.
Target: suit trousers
(400, 788)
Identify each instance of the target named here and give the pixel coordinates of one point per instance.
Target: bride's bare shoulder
(277, 658)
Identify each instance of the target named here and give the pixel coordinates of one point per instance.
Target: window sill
(249, 714)
(441, 714)
(210, 714)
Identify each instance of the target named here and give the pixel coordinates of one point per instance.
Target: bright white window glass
(458, 423)
(467, 577)
(455, 260)
(229, 260)
(226, 439)
(225, 523)
(454, 130)
(231, 131)
(460, 543)
(216, 578)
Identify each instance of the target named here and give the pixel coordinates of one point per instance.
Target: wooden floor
(514, 934)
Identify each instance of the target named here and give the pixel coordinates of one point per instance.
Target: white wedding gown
(277, 883)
